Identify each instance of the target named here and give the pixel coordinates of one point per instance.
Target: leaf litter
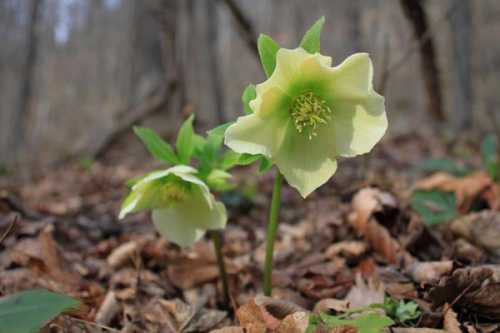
(336, 253)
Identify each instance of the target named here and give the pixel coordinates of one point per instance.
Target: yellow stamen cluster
(308, 112)
(174, 192)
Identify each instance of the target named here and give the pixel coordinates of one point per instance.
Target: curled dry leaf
(254, 319)
(474, 288)
(122, 254)
(481, 229)
(365, 204)
(450, 322)
(363, 294)
(331, 305)
(466, 189)
(294, 323)
(350, 249)
(108, 310)
(430, 271)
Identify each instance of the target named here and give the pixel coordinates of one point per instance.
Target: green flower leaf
(184, 143)
(268, 49)
(219, 181)
(249, 94)
(29, 311)
(160, 149)
(443, 164)
(434, 206)
(489, 151)
(311, 40)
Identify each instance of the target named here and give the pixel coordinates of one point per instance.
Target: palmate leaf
(28, 311)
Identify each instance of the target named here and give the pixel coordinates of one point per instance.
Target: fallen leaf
(253, 319)
(331, 305)
(363, 294)
(466, 189)
(481, 229)
(365, 204)
(450, 322)
(474, 288)
(294, 323)
(229, 329)
(430, 271)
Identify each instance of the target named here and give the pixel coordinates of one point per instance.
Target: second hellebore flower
(183, 207)
(308, 113)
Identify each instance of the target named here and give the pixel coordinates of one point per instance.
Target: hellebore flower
(308, 113)
(182, 206)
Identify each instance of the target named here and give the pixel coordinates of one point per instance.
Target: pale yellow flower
(308, 113)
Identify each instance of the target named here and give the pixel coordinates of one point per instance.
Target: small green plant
(304, 116)
(181, 197)
(404, 312)
(363, 323)
(490, 156)
(437, 206)
(434, 206)
(366, 320)
(29, 311)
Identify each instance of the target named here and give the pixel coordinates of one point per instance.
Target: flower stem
(216, 236)
(272, 228)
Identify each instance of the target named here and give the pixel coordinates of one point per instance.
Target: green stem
(216, 236)
(272, 228)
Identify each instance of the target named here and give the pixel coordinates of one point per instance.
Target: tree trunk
(416, 15)
(461, 38)
(27, 76)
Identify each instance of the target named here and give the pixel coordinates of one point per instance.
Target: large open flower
(308, 113)
(183, 207)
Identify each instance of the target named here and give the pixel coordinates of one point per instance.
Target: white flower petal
(254, 135)
(358, 126)
(170, 226)
(305, 164)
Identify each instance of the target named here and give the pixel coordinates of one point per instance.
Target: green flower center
(174, 191)
(308, 112)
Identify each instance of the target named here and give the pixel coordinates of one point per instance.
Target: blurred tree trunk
(416, 15)
(27, 75)
(461, 38)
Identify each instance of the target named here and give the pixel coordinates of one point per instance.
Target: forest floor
(356, 241)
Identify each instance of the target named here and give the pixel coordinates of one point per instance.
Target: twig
(245, 26)
(394, 67)
(462, 293)
(9, 229)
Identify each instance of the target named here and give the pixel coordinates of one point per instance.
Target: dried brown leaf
(450, 322)
(430, 271)
(466, 189)
(363, 294)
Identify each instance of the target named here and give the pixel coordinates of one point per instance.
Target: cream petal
(306, 164)
(171, 226)
(255, 135)
(358, 126)
(352, 79)
(288, 69)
